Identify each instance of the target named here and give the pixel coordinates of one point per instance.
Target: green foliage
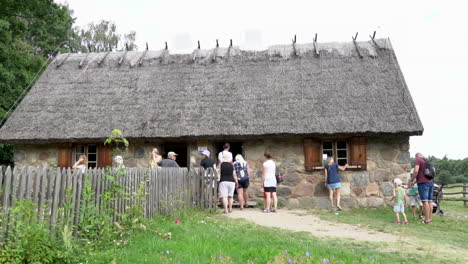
(102, 36)
(29, 241)
(450, 171)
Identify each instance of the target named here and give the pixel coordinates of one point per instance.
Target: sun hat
(206, 153)
(397, 181)
(171, 153)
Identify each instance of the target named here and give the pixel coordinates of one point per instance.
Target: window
(337, 149)
(90, 151)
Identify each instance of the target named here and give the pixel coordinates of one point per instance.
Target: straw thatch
(220, 92)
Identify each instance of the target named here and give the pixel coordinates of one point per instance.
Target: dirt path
(299, 220)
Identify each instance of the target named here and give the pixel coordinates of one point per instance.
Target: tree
(30, 32)
(101, 37)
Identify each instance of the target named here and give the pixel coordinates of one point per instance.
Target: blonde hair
(330, 161)
(85, 160)
(241, 160)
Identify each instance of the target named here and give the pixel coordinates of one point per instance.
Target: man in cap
(170, 161)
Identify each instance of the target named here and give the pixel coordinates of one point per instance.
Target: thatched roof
(220, 92)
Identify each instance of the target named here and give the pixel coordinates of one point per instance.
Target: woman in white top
(269, 183)
(81, 164)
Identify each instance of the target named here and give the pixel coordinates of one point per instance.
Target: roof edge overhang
(40, 141)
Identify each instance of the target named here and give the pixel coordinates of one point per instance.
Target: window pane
(342, 162)
(327, 145)
(77, 157)
(92, 165)
(92, 149)
(92, 157)
(80, 149)
(328, 152)
(341, 144)
(342, 154)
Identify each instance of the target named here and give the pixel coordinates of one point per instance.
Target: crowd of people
(234, 175)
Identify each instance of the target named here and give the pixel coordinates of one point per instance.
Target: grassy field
(203, 237)
(207, 237)
(447, 233)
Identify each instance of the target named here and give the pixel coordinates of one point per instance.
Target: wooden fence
(464, 192)
(56, 190)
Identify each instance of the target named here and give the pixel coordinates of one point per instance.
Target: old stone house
(299, 102)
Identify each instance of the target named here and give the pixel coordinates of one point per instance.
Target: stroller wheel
(441, 212)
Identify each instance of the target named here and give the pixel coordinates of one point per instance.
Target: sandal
(266, 210)
(339, 208)
(225, 212)
(273, 210)
(405, 222)
(425, 222)
(397, 222)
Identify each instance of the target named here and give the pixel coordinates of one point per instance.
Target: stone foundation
(387, 158)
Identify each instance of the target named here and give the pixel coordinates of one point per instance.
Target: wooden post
(6, 196)
(465, 194)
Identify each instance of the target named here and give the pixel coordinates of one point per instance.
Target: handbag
(279, 177)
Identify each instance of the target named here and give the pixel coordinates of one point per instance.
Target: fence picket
(43, 197)
(165, 189)
(5, 198)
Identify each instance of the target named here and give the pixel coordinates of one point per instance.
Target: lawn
(204, 237)
(449, 232)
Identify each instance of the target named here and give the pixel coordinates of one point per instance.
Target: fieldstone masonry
(387, 158)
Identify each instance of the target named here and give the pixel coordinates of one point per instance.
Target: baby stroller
(437, 196)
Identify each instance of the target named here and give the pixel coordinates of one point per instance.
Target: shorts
(414, 200)
(399, 208)
(332, 186)
(425, 191)
(243, 184)
(226, 188)
(269, 189)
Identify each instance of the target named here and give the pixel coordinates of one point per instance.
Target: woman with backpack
(242, 171)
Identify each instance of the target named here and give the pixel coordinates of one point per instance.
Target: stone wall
(387, 158)
(36, 155)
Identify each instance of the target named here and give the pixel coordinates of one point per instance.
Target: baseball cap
(206, 152)
(171, 153)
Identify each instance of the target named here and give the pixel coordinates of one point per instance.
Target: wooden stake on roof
(294, 46)
(316, 46)
(87, 54)
(140, 60)
(125, 54)
(105, 56)
(356, 45)
(373, 40)
(61, 62)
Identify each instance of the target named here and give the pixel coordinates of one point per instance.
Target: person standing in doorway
(269, 183)
(333, 181)
(170, 161)
(242, 171)
(206, 161)
(226, 151)
(425, 186)
(227, 183)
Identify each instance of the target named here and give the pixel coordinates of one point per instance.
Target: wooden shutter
(358, 155)
(104, 156)
(64, 156)
(312, 153)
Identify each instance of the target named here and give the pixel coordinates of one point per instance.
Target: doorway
(180, 149)
(236, 148)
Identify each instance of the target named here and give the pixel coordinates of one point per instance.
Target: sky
(430, 39)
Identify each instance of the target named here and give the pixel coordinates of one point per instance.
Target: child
(414, 200)
(400, 197)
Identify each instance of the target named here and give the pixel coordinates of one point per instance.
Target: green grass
(203, 237)
(450, 231)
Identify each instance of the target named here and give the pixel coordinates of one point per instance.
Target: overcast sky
(430, 40)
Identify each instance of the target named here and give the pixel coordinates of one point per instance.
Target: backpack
(429, 172)
(243, 172)
(279, 177)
